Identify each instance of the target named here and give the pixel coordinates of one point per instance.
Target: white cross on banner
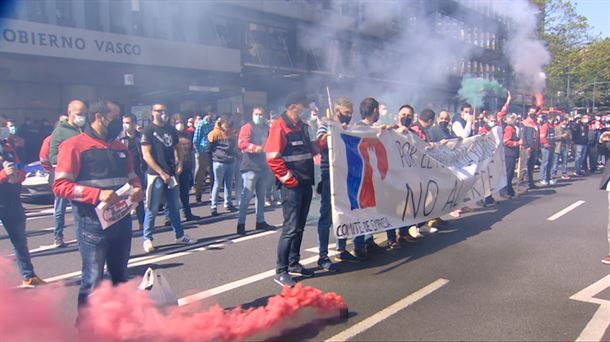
(392, 180)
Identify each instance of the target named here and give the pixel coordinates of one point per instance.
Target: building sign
(24, 37)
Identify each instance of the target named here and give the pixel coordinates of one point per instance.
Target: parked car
(36, 187)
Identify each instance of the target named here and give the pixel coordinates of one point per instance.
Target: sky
(598, 13)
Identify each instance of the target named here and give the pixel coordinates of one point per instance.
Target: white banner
(25, 37)
(379, 182)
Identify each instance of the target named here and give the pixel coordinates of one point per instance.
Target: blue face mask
(258, 120)
(12, 130)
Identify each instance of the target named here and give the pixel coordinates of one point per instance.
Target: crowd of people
(95, 149)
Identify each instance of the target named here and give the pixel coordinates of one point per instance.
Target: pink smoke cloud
(125, 313)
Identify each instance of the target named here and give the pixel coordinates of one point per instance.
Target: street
(500, 273)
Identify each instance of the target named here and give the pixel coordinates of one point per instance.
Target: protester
(511, 151)
(90, 168)
(563, 138)
(463, 127)
(77, 118)
(605, 185)
(385, 118)
(489, 122)
(131, 138)
(200, 140)
(580, 137)
(43, 155)
(254, 169)
(237, 121)
(442, 130)
(548, 141)
(160, 147)
(15, 140)
(223, 146)
(273, 193)
(531, 142)
(595, 132)
(185, 178)
(343, 114)
(289, 153)
(190, 126)
(12, 214)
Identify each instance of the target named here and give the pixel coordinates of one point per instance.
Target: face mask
(113, 129)
(4, 133)
(164, 117)
(406, 121)
(80, 120)
(180, 126)
(189, 124)
(12, 130)
(492, 124)
(345, 119)
(443, 124)
(258, 120)
(127, 127)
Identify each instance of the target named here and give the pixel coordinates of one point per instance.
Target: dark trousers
(13, 220)
(592, 154)
(99, 247)
(531, 162)
(511, 162)
(295, 207)
(140, 208)
(186, 183)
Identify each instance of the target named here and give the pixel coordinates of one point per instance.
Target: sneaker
(231, 208)
(214, 212)
(436, 223)
(606, 260)
(268, 204)
(193, 217)
(456, 213)
(278, 203)
(185, 240)
(428, 229)
(414, 232)
(284, 279)
(345, 256)
(393, 245)
(440, 222)
(300, 270)
(32, 282)
(565, 177)
(241, 228)
(543, 182)
(148, 246)
(373, 248)
(327, 265)
(553, 182)
(264, 226)
(59, 242)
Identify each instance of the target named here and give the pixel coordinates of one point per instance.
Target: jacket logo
(360, 188)
(166, 139)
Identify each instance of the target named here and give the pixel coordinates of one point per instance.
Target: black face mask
(443, 124)
(344, 119)
(114, 128)
(406, 121)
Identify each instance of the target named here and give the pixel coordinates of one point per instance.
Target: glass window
(37, 11)
(92, 16)
(63, 13)
(116, 10)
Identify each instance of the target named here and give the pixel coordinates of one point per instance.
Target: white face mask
(80, 120)
(164, 117)
(180, 126)
(127, 127)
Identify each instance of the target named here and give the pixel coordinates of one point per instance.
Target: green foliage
(474, 89)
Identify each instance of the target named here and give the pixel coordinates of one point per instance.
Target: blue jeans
(13, 219)
(99, 247)
(59, 207)
(253, 182)
(295, 208)
(158, 192)
(223, 174)
(547, 162)
(580, 153)
(563, 155)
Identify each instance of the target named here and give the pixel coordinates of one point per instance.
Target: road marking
(389, 311)
(596, 327)
(566, 210)
(148, 259)
(239, 283)
(49, 247)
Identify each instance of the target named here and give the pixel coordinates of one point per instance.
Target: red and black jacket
(251, 137)
(531, 134)
(419, 130)
(290, 152)
(511, 141)
(87, 164)
(9, 190)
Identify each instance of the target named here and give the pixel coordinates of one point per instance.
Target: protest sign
(391, 180)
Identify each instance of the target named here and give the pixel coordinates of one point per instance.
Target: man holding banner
(289, 153)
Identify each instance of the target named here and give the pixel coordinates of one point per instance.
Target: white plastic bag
(158, 288)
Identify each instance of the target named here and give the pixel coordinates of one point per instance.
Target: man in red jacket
(547, 140)
(90, 168)
(290, 155)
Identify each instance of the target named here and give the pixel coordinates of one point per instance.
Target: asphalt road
(500, 273)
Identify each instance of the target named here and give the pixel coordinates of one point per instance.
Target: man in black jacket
(606, 186)
(442, 130)
(580, 137)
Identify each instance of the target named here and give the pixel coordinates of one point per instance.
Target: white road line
(389, 311)
(239, 283)
(599, 323)
(49, 247)
(566, 210)
(148, 259)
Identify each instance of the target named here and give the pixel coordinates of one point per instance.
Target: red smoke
(539, 100)
(126, 313)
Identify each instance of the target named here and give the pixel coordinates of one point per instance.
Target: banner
(391, 180)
